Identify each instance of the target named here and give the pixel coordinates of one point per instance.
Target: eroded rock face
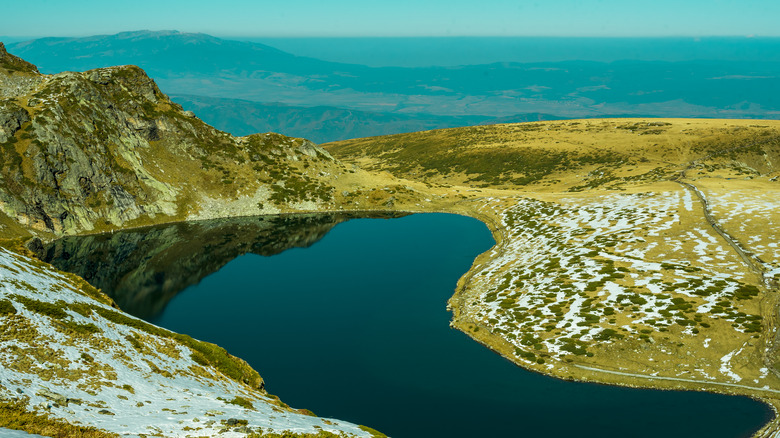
(12, 117)
(79, 160)
(71, 147)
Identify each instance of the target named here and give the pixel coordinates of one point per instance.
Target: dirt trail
(679, 379)
(755, 264)
(758, 266)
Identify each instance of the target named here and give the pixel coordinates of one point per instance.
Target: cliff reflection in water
(143, 269)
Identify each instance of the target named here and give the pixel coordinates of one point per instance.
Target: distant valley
(322, 124)
(329, 101)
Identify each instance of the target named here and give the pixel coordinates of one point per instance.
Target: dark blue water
(355, 327)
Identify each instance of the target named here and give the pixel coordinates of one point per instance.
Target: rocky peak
(131, 77)
(98, 150)
(14, 63)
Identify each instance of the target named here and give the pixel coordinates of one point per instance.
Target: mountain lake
(347, 317)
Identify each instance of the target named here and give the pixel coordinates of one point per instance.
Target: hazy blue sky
(396, 17)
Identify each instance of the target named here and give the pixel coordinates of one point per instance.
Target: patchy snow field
(753, 217)
(10, 433)
(583, 272)
(61, 355)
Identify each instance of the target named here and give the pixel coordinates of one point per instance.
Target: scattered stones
(56, 398)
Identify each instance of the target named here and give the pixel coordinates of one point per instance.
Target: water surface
(355, 327)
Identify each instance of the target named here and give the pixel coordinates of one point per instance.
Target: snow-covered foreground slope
(67, 355)
(11, 433)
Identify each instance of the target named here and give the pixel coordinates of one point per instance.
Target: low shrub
(7, 308)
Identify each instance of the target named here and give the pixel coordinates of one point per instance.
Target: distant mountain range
(323, 124)
(326, 101)
(455, 51)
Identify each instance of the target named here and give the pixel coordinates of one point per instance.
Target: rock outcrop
(14, 63)
(12, 117)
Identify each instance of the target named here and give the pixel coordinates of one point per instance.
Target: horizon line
(347, 36)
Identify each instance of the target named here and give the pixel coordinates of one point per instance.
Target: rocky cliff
(106, 149)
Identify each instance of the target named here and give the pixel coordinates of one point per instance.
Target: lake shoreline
(498, 345)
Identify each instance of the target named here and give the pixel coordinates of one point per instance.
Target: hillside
(104, 149)
(570, 155)
(324, 123)
(74, 365)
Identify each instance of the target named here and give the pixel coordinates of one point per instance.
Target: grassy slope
(551, 156)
